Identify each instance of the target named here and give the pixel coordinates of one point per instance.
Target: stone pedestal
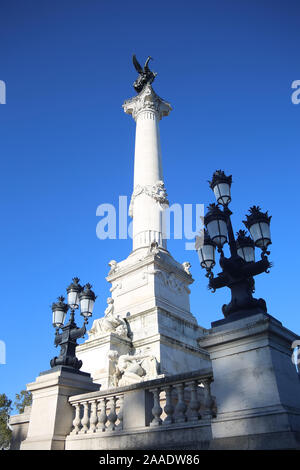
(94, 354)
(151, 292)
(51, 414)
(256, 385)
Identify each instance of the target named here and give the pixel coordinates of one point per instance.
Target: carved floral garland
(157, 192)
(169, 280)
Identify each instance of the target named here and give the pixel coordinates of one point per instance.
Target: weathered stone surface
(268, 441)
(51, 414)
(183, 438)
(19, 425)
(256, 385)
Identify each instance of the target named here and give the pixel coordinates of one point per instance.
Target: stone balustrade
(170, 401)
(183, 401)
(101, 414)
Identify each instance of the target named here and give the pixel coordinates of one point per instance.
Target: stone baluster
(112, 416)
(169, 408)
(85, 419)
(156, 410)
(201, 398)
(94, 417)
(208, 402)
(119, 427)
(102, 418)
(181, 407)
(194, 405)
(77, 419)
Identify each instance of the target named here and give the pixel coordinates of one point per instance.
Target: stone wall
(19, 425)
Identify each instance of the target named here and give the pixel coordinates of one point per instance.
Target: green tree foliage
(5, 432)
(24, 398)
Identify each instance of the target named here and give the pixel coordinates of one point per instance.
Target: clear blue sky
(66, 145)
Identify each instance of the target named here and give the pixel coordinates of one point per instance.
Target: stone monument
(166, 383)
(148, 313)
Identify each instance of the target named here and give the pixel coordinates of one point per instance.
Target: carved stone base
(151, 291)
(95, 353)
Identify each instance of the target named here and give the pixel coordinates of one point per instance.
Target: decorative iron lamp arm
(221, 280)
(77, 333)
(259, 267)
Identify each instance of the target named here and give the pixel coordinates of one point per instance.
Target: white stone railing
(170, 401)
(98, 414)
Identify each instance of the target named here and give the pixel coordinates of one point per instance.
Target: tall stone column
(149, 197)
(149, 289)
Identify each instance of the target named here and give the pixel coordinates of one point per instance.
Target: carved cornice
(147, 100)
(161, 263)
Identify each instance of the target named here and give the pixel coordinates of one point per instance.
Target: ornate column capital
(147, 100)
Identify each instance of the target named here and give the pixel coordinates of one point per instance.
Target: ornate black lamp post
(67, 339)
(237, 270)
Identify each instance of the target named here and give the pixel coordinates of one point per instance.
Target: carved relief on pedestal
(170, 280)
(157, 192)
(132, 368)
(110, 323)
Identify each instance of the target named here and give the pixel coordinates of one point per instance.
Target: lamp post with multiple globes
(239, 269)
(67, 338)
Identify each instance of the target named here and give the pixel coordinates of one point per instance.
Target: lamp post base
(242, 299)
(63, 368)
(71, 362)
(242, 314)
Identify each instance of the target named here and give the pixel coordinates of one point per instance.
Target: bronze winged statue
(145, 74)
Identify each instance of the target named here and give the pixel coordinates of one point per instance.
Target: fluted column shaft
(149, 197)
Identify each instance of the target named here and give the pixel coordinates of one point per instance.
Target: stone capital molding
(161, 261)
(147, 100)
(157, 192)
